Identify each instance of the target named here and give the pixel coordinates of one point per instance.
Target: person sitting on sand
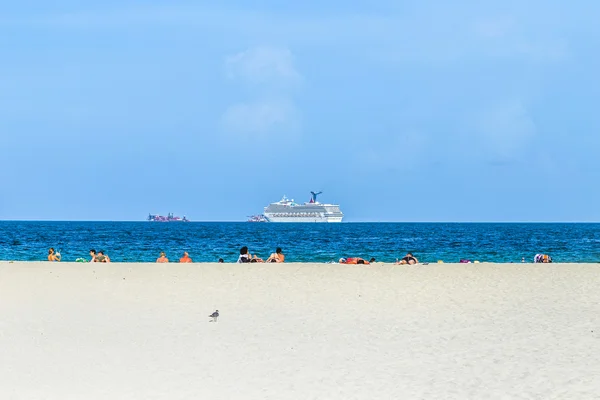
(542, 258)
(101, 257)
(93, 255)
(186, 258)
(163, 258)
(52, 256)
(278, 256)
(244, 257)
(408, 259)
(354, 260)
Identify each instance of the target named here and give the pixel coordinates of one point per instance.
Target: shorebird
(214, 316)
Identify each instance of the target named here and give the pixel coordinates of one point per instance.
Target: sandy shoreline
(299, 331)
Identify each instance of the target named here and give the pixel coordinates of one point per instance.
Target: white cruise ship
(287, 210)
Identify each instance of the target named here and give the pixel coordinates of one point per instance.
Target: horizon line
(308, 223)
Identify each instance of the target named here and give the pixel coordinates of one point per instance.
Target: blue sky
(398, 111)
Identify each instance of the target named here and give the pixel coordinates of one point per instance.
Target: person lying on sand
(186, 258)
(52, 256)
(163, 258)
(408, 259)
(355, 260)
(277, 256)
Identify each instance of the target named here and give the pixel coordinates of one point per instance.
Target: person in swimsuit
(542, 258)
(52, 256)
(186, 258)
(244, 257)
(278, 256)
(93, 255)
(101, 257)
(353, 260)
(163, 258)
(408, 259)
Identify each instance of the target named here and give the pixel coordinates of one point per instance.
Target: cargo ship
(169, 218)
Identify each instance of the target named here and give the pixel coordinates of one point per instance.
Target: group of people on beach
(246, 257)
(185, 259)
(55, 256)
(99, 256)
(276, 257)
(408, 259)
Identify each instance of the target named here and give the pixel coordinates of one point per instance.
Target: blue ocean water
(207, 242)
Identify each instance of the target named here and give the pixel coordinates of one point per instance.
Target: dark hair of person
(244, 250)
(361, 261)
(101, 252)
(220, 260)
(278, 251)
(93, 251)
(372, 259)
(51, 250)
(409, 254)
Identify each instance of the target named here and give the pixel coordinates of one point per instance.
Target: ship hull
(304, 219)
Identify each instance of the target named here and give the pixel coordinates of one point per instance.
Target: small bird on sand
(214, 316)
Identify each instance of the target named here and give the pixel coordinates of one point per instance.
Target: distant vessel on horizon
(169, 218)
(286, 210)
(257, 218)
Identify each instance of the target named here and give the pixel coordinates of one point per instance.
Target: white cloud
(261, 118)
(263, 65)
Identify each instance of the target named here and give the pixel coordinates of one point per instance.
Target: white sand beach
(299, 331)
